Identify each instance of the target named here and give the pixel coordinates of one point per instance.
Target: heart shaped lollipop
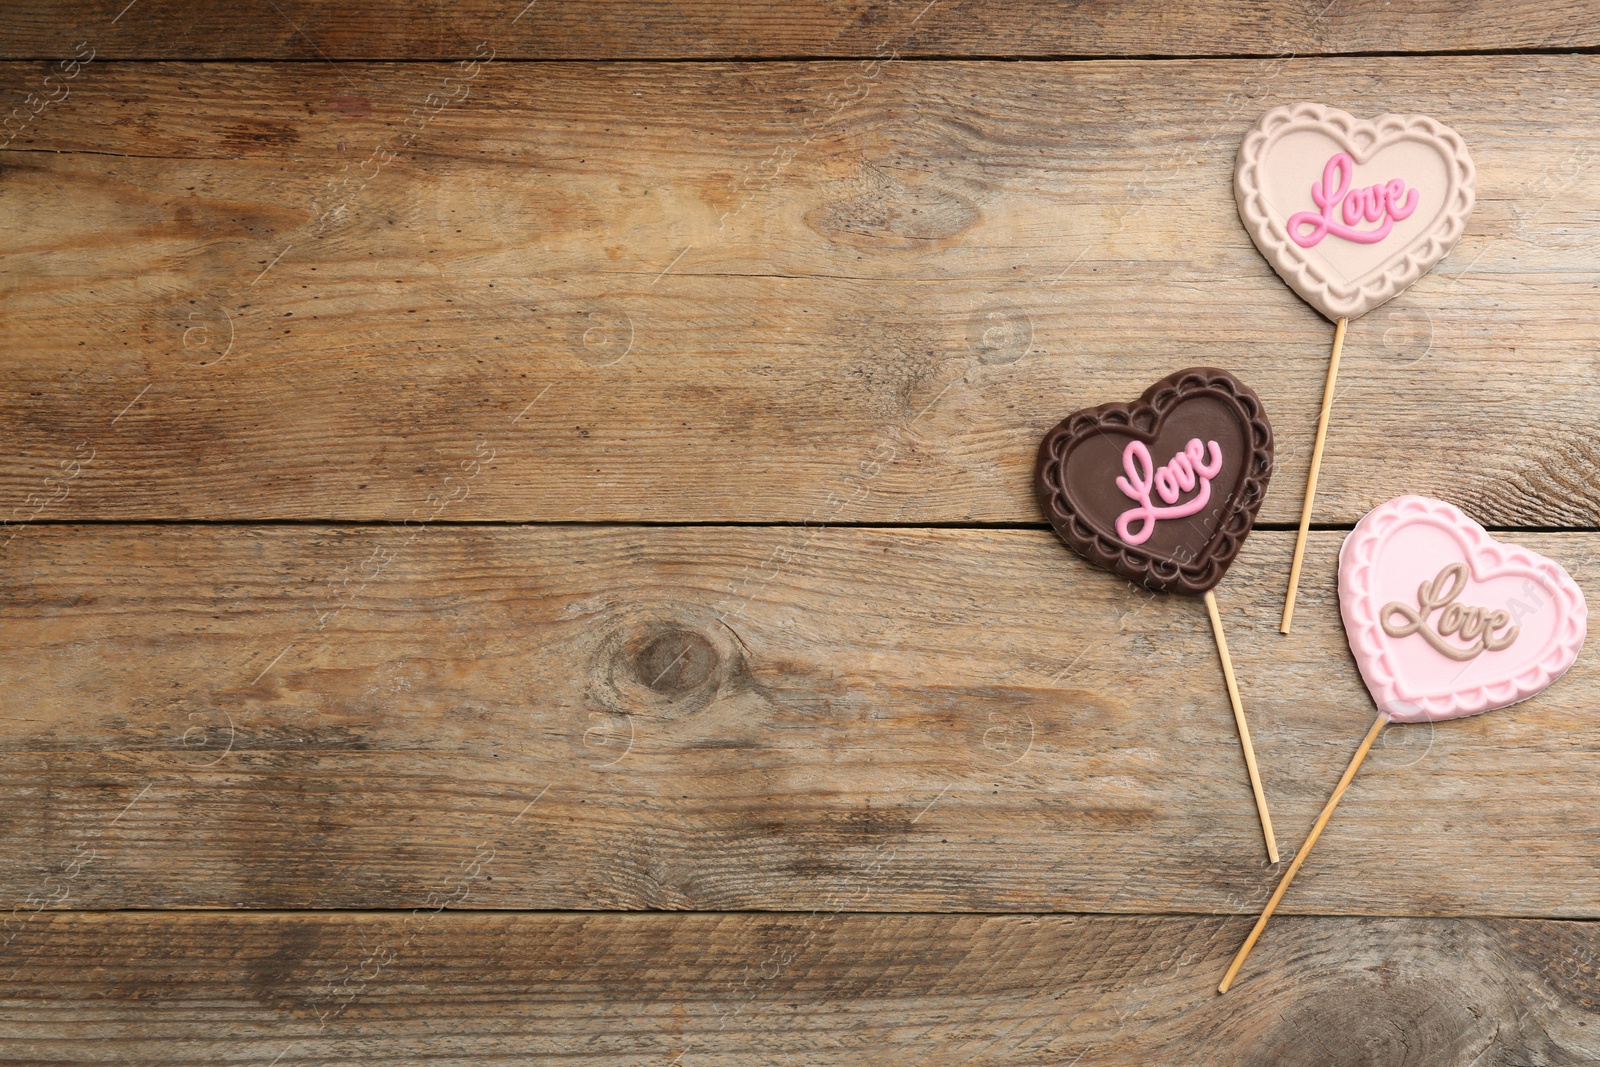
(1444, 621)
(1163, 492)
(1349, 212)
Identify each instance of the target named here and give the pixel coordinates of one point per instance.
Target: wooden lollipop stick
(1311, 481)
(1305, 850)
(1244, 730)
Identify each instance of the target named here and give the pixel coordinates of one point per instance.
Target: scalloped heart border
(1484, 556)
(1352, 300)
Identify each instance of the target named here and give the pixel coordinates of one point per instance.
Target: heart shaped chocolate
(1351, 212)
(1444, 620)
(1163, 491)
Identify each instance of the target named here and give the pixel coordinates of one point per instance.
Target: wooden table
(520, 547)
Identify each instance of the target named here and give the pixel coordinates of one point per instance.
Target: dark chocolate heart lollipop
(1162, 491)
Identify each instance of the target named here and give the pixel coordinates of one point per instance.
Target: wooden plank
(820, 988)
(701, 29)
(245, 308)
(712, 718)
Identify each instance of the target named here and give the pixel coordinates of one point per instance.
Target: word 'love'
(1474, 625)
(1182, 473)
(1386, 202)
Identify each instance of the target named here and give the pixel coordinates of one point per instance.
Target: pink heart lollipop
(1444, 621)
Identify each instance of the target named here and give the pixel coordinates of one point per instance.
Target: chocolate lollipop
(1164, 492)
(1350, 213)
(1444, 622)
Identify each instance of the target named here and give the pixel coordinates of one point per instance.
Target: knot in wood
(672, 661)
(663, 660)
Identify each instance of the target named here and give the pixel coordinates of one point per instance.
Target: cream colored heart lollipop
(1349, 212)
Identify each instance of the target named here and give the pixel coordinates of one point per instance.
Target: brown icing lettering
(1474, 625)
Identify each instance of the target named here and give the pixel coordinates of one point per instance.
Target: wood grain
(245, 308)
(819, 988)
(830, 294)
(712, 718)
(704, 29)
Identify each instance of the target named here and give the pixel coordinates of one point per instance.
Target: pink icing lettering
(1387, 202)
(1183, 472)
